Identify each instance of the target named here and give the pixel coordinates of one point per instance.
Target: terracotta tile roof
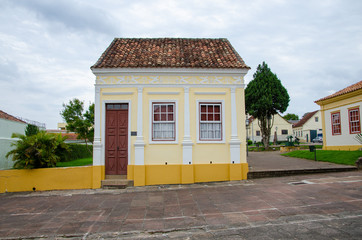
(348, 89)
(305, 118)
(65, 133)
(170, 53)
(6, 116)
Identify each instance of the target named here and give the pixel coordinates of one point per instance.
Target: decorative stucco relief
(168, 80)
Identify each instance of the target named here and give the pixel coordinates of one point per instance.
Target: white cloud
(47, 47)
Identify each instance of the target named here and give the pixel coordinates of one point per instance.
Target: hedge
(78, 151)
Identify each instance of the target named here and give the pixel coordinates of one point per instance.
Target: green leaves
(265, 96)
(77, 120)
(41, 150)
(291, 116)
(31, 130)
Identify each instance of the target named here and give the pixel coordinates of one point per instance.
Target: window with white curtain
(163, 121)
(210, 121)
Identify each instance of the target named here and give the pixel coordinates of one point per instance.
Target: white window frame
(151, 103)
(336, 124)
(355, 121)
(216, 101)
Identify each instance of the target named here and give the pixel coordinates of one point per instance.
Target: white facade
(345, 138)
(312, 124)
(281, 127)
(7, 128)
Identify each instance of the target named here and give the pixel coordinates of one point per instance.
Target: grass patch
(76, 163)
(339, 157)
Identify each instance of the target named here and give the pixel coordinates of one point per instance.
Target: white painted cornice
(169, 71)
(135, 85)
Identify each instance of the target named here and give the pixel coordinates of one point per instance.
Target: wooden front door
(116, 139)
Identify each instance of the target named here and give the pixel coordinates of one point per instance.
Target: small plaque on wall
(133, 133)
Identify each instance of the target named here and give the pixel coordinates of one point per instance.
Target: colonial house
(309, 127)
(170, 111)
(279, 132)
(341, 118)
(8, 125)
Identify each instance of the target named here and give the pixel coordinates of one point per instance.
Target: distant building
(8, 125)
(280, 130)
(309, 127)
(62, 126)
(341, 118)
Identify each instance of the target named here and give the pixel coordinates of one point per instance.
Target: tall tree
(264, 97)
(78, 120)
(291, 116)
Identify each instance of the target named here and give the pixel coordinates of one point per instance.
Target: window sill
(163, 142)
(210, 142)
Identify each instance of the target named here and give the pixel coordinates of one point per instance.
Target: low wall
(343, 148)
(5, 147)
(186, 174)
(43, 179)
(284, 149)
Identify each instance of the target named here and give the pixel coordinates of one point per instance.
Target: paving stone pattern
(321, 206)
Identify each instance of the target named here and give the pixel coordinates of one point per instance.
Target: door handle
(117, 148)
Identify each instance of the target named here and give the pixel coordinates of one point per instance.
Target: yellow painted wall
(186, 174)
(157, 154)
(51, 179)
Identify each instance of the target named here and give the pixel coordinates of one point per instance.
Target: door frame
(103, 128)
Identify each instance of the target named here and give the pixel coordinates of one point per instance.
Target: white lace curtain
(210, 131)
(163, 131)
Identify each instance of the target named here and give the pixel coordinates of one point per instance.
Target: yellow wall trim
(44, 179)
(345, 96)
(186, 174)
(343, 148)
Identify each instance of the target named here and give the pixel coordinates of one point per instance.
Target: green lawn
(340, 157)
(75, 163)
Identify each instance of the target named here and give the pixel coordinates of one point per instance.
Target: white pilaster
(139, 144)
(234, 141)
(186, 142)
(97, 143)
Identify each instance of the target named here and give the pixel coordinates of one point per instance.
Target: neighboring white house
(309, 127)
(8, 125)
(341, 117)
(281, 127)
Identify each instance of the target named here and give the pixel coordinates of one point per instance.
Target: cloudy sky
(47, 47)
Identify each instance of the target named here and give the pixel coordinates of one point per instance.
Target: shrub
(41, 150)
(78, 151)
(250, 142)
(31, 130)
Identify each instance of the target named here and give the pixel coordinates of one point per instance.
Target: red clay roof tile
(6, 116)
(348, 89)
(170, 53)
(305, 118)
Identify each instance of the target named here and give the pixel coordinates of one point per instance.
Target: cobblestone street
(321, 206)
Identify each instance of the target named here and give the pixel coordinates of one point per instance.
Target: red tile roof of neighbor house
(6, 116)
(170, 53)
(65, 133)
(348, 89)
(305, 118)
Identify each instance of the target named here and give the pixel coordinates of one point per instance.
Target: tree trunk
(265, 125)
(86, 144)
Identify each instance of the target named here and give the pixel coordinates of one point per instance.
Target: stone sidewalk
(320, 206)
